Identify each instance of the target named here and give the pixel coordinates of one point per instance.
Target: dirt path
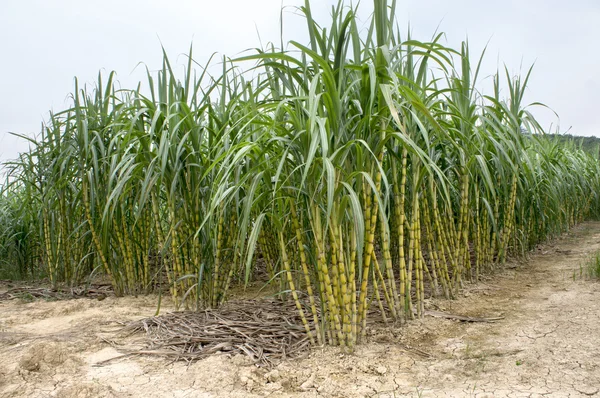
(548, 344)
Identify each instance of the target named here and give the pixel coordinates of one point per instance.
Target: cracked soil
(547, 345)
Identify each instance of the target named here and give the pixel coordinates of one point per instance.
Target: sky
(45, 44)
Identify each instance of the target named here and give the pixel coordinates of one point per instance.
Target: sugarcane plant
(362, 171)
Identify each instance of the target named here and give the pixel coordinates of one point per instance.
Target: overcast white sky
(44, 44)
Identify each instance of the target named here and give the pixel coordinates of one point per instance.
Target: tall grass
(360, 169)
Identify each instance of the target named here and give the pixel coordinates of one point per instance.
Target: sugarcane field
(347, 207)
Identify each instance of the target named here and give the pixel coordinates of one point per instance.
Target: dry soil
(548, 344)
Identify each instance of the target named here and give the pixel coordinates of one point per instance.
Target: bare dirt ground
(548, 344)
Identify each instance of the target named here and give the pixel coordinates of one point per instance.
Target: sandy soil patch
(548, 344)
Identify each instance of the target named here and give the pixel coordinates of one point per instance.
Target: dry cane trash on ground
(267, 330)
(99, 292)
